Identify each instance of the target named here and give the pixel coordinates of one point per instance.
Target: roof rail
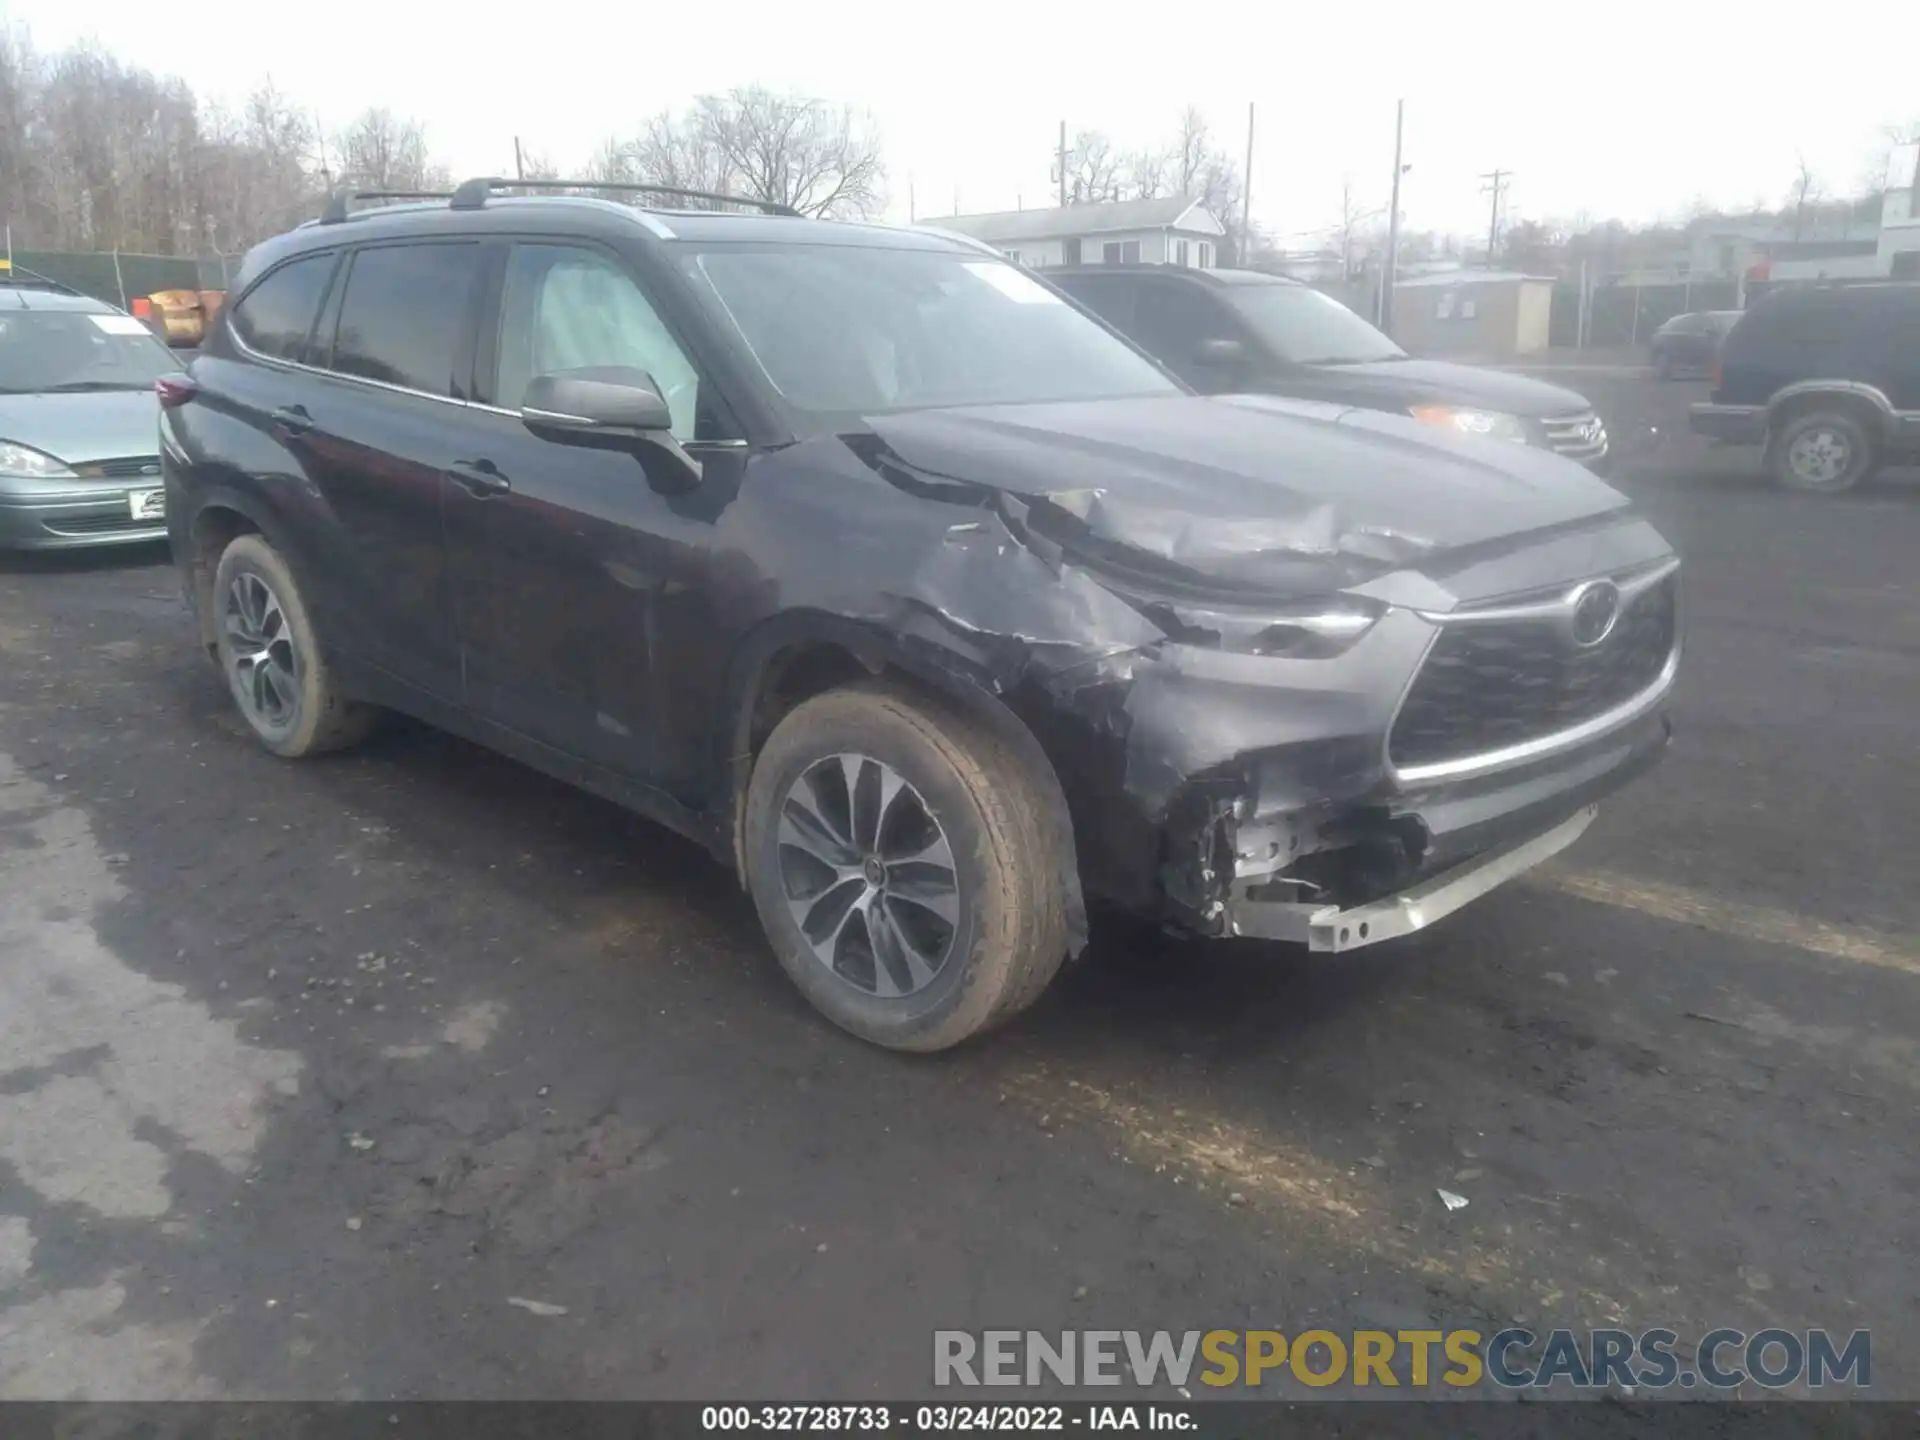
(472, 194)
(338, 200)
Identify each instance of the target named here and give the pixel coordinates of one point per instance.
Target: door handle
(479, 477)
(292, 420)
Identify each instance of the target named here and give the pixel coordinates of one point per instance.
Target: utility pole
(1384, 303)
(1497, 182)
(519, 161)
(1061, 157)
(911, 217)
(1245, 248)
(320, 138)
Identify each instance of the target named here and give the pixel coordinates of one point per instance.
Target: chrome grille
(1580, 436)
(133, 467)
(101, 525)
(1484, 687)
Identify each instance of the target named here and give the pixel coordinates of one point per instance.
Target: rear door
(378, 426)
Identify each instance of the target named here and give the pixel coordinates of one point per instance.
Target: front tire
(1823, 452)
(276, 669)
(899, 860)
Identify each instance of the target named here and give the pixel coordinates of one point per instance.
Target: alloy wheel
(264, 664)
(868, 875)
(1820, 456)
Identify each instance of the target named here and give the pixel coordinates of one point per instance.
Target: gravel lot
(309, 1072)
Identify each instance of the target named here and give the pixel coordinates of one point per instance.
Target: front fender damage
(1163, 769)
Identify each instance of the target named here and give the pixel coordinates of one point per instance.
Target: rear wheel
(1662, 365)
(272, 658)
(1824, 451)
(898, 858)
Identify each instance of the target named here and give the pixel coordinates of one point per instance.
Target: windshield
(44, 351)
(1304, 327)
(845, 331)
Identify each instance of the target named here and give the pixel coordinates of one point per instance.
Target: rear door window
(276, 316)
(403, 319)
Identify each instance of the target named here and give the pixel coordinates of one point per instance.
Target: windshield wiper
(75, 387)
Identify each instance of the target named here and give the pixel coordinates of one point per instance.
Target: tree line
(100, 154)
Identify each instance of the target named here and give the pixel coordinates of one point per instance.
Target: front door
(1174, 319)
(565, 557)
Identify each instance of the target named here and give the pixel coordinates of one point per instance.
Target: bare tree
(383, 151)
(784, 148)
(1149, 175)
(538, 166)
(1807, 191)
(1353, 217)
(669, 150)
(1193, 153)
(1094, 169)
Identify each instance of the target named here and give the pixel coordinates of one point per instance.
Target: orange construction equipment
(180, 317)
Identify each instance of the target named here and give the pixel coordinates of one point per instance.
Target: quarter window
(566, 308)
(403, 314)
(277, 315)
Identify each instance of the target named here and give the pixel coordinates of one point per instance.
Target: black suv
(909, 589)
(1227, 331)
(1826, 380)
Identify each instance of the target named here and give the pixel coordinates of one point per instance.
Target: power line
(1497, 183)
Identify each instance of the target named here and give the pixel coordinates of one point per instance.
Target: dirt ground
(313, 1076)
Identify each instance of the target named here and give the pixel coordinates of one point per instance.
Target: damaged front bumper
(1331, 928)
(1315, 835)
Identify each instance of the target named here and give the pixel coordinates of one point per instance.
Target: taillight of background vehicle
(175, 390)
(1715, 376)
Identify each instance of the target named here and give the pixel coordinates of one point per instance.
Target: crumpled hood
(1251, 490)
(85, 425)
(1410, 382)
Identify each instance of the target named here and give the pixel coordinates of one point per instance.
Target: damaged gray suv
(910, 589)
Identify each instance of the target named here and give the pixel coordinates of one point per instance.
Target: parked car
(1825, 380)
(78, 421)
(915, 594)
(1228, 331)
(1689, 344)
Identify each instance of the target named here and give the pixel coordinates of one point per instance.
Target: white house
(1900, 215)
(1174, 231)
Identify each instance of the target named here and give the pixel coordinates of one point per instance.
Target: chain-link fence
(118, 277)
(1619, 313)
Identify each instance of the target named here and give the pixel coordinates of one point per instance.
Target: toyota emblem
(1592, 610)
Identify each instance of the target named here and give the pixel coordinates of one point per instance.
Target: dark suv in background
(919, 597)
(1241, 331)
(1825, 380)
(1689, 344)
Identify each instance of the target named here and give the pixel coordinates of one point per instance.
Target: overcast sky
(1624, 109)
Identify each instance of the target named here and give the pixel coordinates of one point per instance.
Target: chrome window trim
(304, 368)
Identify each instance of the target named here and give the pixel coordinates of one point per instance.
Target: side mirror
(611, 408)
(608, 401)
(1218, 353)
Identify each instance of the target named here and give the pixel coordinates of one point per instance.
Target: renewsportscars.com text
(1513, 1359)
